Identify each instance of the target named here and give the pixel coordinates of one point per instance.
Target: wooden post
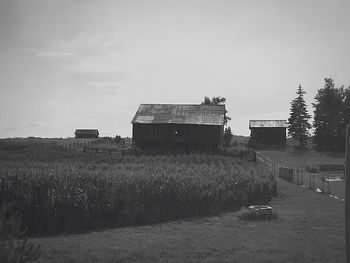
(347, 194)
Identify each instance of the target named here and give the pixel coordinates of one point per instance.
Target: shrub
(14, 246)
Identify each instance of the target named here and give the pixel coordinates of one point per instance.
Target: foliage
(14, 246)
(298, 119)
(328, 115)
(217, 101)
(346, 108)
(61, 195)
(118, 138)
(228, 136)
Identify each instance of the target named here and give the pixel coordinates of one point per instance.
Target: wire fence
(326, 178)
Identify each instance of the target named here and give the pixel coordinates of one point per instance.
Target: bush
(14, 246)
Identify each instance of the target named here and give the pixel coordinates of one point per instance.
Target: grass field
(309, 228)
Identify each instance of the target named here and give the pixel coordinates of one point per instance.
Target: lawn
(309, 228)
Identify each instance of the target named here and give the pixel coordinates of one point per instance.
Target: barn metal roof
(86, 131)
(180, 114)
(268, 124)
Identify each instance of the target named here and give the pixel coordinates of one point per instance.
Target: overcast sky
(89, 64)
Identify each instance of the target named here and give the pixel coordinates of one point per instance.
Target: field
(59, 190)
(309, 226)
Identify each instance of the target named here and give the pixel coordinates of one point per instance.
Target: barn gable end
(267, 133)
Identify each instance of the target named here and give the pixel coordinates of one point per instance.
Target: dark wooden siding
(268, 136)
(86, 136)
(170, 136)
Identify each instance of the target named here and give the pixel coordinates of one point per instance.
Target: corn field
(63, 195)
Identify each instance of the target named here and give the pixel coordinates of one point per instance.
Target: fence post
(310, 180)
(298, 173)
(302, 176)
(347, 194)
(322, 179)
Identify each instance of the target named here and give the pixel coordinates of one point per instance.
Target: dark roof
(268, 124)
(86, 131)
(180, 114)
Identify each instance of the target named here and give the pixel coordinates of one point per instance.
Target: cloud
(85, 53)
(51, 106)
(105, 87)
(10, 129)
(57, 54)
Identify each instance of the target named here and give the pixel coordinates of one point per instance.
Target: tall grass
(68, 192)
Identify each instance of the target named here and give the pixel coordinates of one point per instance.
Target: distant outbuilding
(86, 133)
(268, 132)
(178, 127)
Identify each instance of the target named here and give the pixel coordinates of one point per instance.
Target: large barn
(86, 133)
(178, 127)
(268, 132)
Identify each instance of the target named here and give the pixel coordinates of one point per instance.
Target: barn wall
(189, 137)
(268, 136)
(86, 136)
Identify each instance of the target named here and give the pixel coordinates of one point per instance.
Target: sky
(89, 64)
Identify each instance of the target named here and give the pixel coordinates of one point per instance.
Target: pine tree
(298, 120)
(329, 115)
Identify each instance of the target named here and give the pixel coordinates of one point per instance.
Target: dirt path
(309, 228)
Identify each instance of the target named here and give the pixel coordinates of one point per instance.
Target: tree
(329, 115)
(227, 136)
(346, 109)
(217, 101)
(298, 121)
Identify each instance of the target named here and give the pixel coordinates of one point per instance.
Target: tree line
(331, 115)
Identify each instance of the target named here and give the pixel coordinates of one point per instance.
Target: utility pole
(347, 194)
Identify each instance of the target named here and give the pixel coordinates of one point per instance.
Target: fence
(93, 147)
(319, 180)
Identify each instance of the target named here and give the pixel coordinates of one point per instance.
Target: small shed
(268, 132)
(178, 127)
(86, 133)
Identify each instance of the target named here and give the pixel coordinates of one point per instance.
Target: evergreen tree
(299, 119)
(329, 115)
